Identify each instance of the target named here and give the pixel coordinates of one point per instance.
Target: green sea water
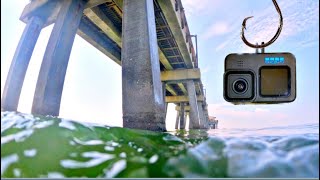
(36, 146)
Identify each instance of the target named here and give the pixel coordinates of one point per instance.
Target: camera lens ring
(240, 86)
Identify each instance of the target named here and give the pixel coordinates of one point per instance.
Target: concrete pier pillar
(165, 110)
(186, 118)
(201, 116)
(207, 114)
(51, 78)
(194, 112)
(19, 64)
(143, 102)
(164, 98)
(177, 120)
(182, 116)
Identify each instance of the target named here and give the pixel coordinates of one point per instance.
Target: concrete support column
(165, 110)
(164, 99)
(19, 64)
(143, 102)
(177, 120)
(194, 112)
(206, 116)
(201, 116)
(182, 116)
(51, 78)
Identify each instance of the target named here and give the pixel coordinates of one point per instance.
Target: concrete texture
(182, 116)
(19, 64)
(51, 78)
(179, 99)
(143, 100)
(201, 116)
(174, 21)
(194, 112)
(181, 75)
(177, 120)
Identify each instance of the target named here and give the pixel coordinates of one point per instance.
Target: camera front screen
(274, 81)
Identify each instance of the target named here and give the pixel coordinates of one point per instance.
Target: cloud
(217, 29)
(244, 116)
(199, 7)
(261, 110)
(205, 69)
(300, 27)
(222, 45)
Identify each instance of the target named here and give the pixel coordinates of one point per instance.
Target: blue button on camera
(274, 60)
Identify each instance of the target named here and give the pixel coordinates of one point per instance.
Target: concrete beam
(181, 75)
(183, 89)
(171, 90)
(100, 41)
(164, 60)
(94, 3)
(19, 64)
(36, 7)
(98, 18)
(119, 3)
(179, 99)
(53, 69)
(106, 25)
(168, 9)
(46, 9)
(142, 96)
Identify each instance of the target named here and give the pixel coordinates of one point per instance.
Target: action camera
(268, 78)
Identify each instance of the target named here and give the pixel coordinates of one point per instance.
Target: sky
(92, 90)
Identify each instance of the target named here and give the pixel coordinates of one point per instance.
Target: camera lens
(240, 86)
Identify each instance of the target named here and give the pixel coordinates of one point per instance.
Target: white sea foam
(7, 161)
(96, 159)
(116, 169)
(30, 152)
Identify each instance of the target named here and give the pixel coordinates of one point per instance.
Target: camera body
(263, 78)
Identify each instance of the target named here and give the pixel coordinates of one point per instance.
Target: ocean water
(47, 147)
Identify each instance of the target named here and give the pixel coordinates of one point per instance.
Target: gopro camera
(268, 78)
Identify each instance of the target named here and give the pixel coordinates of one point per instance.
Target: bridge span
(150, 39)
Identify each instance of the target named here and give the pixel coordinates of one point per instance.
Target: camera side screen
(275, 81)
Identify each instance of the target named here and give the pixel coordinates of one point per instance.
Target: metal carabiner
(275, 37)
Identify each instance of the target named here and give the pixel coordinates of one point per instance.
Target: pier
(149, 39)
(213, 123)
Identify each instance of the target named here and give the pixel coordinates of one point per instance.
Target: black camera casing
(260, 78)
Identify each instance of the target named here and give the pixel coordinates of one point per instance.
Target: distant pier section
(150, 39)
(213, 122)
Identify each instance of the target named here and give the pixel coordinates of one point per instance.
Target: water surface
(36, 146)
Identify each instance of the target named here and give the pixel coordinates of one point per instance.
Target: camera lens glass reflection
(240, 86)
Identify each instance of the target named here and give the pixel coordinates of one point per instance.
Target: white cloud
(301, 25)
(199, 7)
(222, 45)
(217, 29)
(245, 116)
(261, 110)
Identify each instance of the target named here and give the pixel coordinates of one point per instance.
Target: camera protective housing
(265, 78)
